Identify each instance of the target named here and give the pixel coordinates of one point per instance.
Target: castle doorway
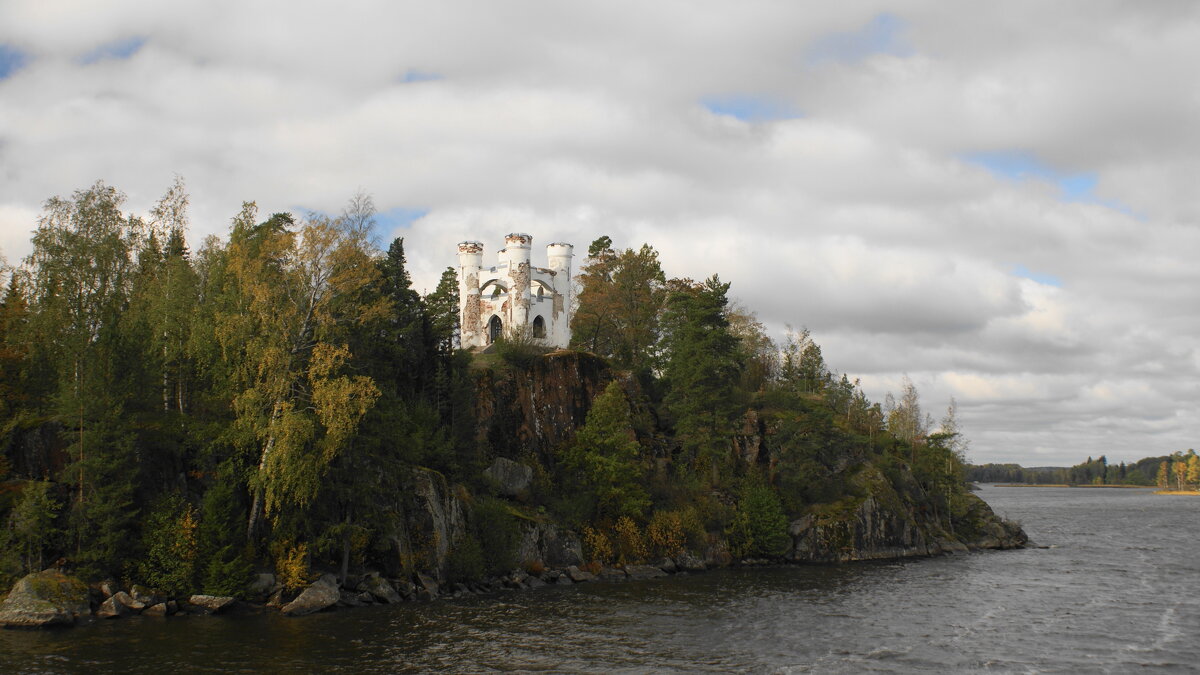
(539, 326)
(494, 328)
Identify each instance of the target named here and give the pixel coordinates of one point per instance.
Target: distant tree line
(1180, 470)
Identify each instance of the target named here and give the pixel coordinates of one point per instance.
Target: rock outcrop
(883, 525)
(48, 598)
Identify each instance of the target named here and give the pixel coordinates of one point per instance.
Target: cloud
(1002, 208)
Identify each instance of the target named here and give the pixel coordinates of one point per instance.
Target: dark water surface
(1118, 591)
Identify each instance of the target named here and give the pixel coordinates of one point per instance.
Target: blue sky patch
(120, 49)
(881, 35)
(750, 108)
(1043, 279)
(419, 76)
(1020, 166)
(11, 61)
(399, 217)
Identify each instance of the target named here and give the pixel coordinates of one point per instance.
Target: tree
(605, 458)
(1180, 469)
(294, 297)
(621, 296)
(442, 309)
(906, 420)
(1193, 468)
(80, 273)
(32, 523)
(1163, 478)
(702, 366)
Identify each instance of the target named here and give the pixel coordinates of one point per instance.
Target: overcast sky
(999, 199)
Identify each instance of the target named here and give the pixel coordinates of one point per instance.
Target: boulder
(690, 563)
(159, 609)
(322, 594)
(109, 588)
(511, 478)
(427, 588)
(667, 565)
(212, 604)
(612, 574)
(349, 599)
(263, 585)
(379, 588)
(129, 601)
(579, 576)
(144, 596)
(119, 604)
(112, 608)
(644, 572)
(47, 598)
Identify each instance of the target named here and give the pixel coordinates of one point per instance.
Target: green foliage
(620, 301)
(702, 366)
(604, 459)
(171, 546)
(498, 533)
(760, 527)
(225, 568)
(32, 525)
(465, 561)
(103, 515)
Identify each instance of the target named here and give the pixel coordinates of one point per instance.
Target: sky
(997, 200)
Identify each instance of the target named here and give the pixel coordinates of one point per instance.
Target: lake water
(1118, 590)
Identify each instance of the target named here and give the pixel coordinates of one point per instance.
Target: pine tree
(605, 458)
(702, 367)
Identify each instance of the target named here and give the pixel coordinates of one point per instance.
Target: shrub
(671, 532)
(596, 545)
(759, 525)
(520, 349)
(498, 533)
(291, 565)
(630, 543)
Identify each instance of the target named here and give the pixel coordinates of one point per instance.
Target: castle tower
(558, 257)
(514, 295)
(516, 256)
(470, 260)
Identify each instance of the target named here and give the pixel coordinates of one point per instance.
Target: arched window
(494, 328)
(539, 327)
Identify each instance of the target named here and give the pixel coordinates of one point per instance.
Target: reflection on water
(1117, 590)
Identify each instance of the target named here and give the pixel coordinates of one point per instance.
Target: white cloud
(859, 218)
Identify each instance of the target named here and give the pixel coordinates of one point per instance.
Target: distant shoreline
(1067, 485)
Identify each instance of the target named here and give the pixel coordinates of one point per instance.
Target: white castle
(498, 301)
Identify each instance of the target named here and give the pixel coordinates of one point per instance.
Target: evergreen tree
(604, 459)
(702, 367)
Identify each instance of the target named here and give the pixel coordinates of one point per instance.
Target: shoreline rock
(47, 598)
